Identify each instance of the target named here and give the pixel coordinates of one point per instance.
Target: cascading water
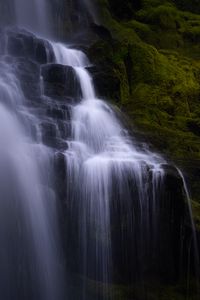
(33, 15)
(91, 10)
(107, 171)
(86, 197)
(27, 202)
(193, 236)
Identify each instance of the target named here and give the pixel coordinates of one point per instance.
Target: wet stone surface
(49, 89)
(25, 44)
(60, 81)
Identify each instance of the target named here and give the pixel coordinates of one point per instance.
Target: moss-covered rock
(154, 56)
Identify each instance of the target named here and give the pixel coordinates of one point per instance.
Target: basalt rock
(106, 83)
(60, 168)
(60, 81)
(25, 44)
(50, 136)
(158, 252)
(28, 72)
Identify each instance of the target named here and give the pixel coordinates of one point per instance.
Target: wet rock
(43, 52)
(51, 136)
(60, 166)
(59, 112)
(173, 180)
(107, 85)
(67, 109)
(60, 81)
(56, 113)
(48, 129)
(56, 143)
(157, 228)
(101, 31)
(25, 44)
(15, 46)
(65, 129)
(2, 42)
(29, 74)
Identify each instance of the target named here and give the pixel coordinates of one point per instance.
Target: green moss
(165, 16)
(161, 104)
(170, 28)
(156, 57)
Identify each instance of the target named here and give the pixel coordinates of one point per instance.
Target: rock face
(60, 81)
(26, 45)
(107, 86)
(71, 19)
(158, 256)
(48, 88)
(28, 72)
(138, 252)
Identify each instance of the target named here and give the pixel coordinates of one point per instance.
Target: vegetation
(152, 50)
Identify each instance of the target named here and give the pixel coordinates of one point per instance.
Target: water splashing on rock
(89, 203)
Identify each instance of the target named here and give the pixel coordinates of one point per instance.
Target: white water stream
(105, 167)
(33, 15)
(99, 152)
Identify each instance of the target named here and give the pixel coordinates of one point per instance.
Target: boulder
(60, 81)
(28, 73)
(25, 44)
(51, 136)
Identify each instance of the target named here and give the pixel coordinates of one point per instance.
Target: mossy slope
(150, 62)
(154, 53)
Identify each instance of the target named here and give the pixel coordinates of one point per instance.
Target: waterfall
(91, 10)
(103, 158)
(33, 15)
(194, 236)
(46, 16)
(84, 205)
(27, 202)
